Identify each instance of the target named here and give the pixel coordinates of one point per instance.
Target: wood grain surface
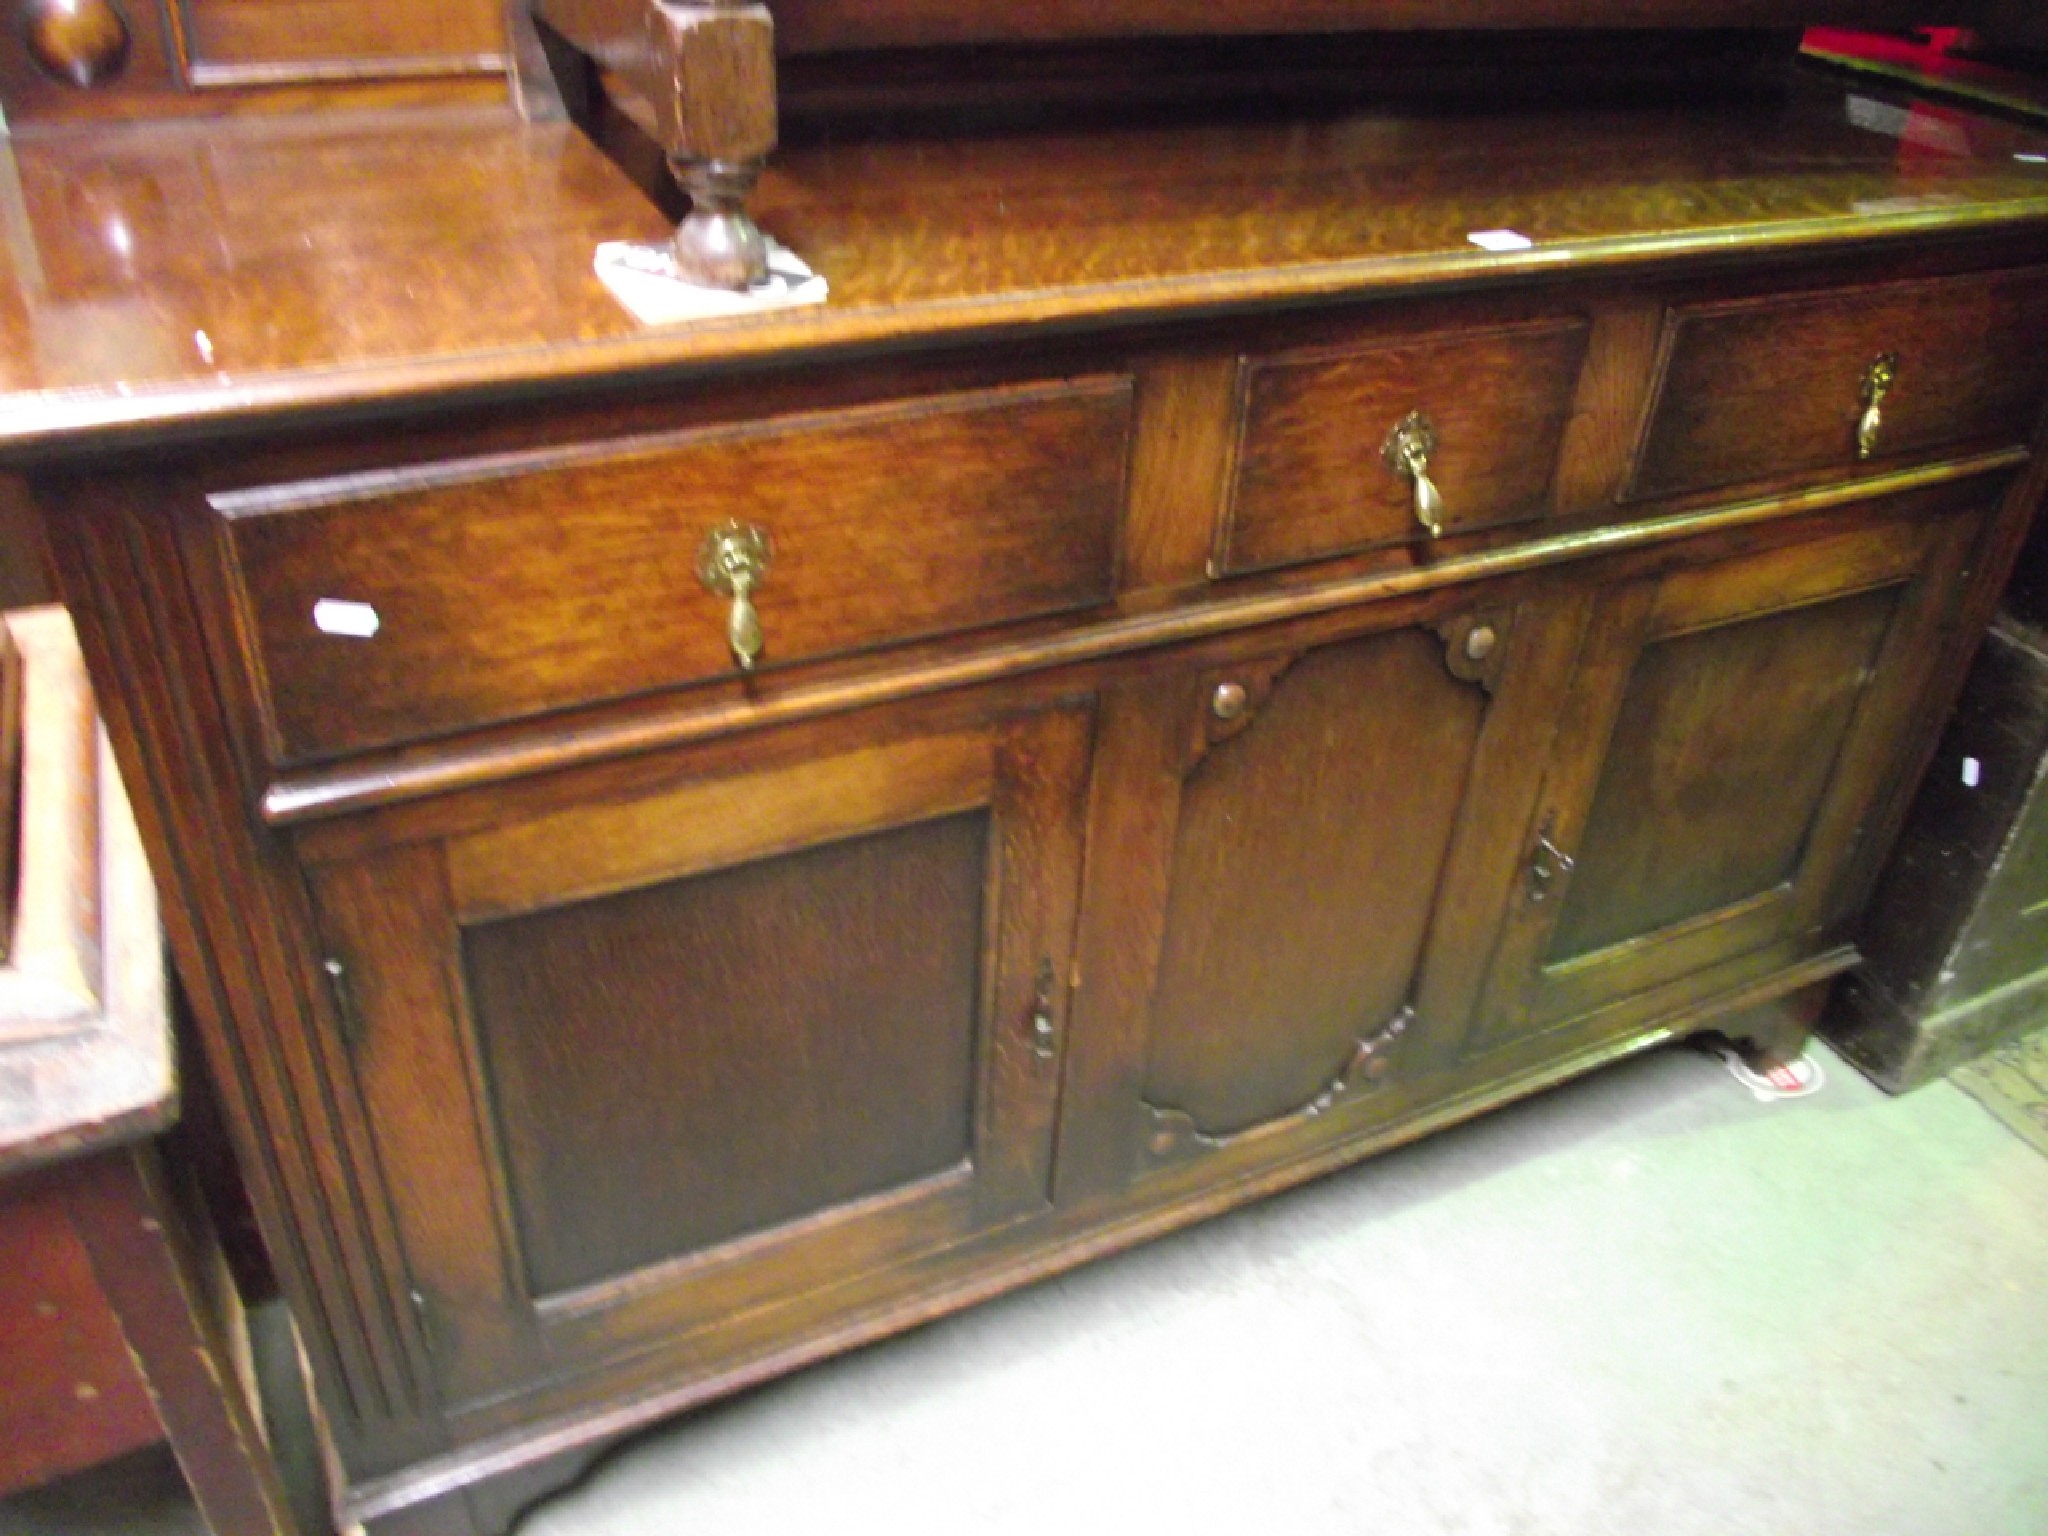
(1729, 736)
(1311, 476)
(1037, 836)
(851, 966)
(336, 263)
(1309, 854)
(887, 523)
(1760, 387)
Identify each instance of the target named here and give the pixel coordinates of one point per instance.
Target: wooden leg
(714, 97)
(448, 1515)
(488, 1508)
(151, 1260)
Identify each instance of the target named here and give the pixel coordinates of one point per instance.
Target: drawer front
(396, 605)
(1312, 475)
(1758, 388)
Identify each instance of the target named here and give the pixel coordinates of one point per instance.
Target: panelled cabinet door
(651, 1062)
(1728, 729)
(1309, 893)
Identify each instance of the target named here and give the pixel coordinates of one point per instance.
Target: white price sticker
(337, 616)
(1500, 240)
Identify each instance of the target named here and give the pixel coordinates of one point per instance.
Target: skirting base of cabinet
(1899, 1050)
(476, 1491)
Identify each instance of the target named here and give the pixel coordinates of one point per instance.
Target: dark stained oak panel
(512, 585)
(1311, 477)
(1756, 388)
(1726, 741)
(1736, 733)
(1305, 867)
(799, 1032)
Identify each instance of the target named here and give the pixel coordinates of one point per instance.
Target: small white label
(1877, 116)
(1973, 773)
(644, 279)
(1911, 125)
(336, 616)
(1500, 240)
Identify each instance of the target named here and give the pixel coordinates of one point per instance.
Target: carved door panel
(1729, 729)
(655, 1061)
(1328, 820)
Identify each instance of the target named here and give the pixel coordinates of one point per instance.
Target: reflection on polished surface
(155, 276)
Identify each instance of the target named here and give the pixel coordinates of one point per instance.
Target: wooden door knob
(81, 42)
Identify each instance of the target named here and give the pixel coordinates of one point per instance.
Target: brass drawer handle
(1407, 450)
(732, 561)
(1878, 379)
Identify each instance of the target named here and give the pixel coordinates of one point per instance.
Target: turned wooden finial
(82, 42)
(718, 128)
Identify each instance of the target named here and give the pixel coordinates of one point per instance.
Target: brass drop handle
(1878, 379)
(732, 561)
(1407, 450)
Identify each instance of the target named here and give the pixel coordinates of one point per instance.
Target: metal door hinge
(423, 1316)
(1044, 1033)
(1549, 864)
(344, 998)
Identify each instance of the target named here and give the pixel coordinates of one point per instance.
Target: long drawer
(387, 606)
(1754, 389)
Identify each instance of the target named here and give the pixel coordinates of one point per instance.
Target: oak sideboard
(1231, 641)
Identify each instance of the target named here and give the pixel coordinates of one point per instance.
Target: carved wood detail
(1474, 646)
(304, 1153)
(1230, 699)
(1171, 1135)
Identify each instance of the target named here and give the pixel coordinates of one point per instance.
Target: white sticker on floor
(1973, 773)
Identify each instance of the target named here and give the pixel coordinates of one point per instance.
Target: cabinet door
(1284, 931)
(641, 1065)
(1729, 729)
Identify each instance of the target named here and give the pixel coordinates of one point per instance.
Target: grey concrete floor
(1643, 1304)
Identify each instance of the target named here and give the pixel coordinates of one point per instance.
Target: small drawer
(1756, 389)
(394, 605)
(1313, 476)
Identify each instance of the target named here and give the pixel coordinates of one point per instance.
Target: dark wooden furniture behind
(693, 848)
(1954, 934)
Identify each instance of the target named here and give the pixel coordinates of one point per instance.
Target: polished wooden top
(170, 280)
